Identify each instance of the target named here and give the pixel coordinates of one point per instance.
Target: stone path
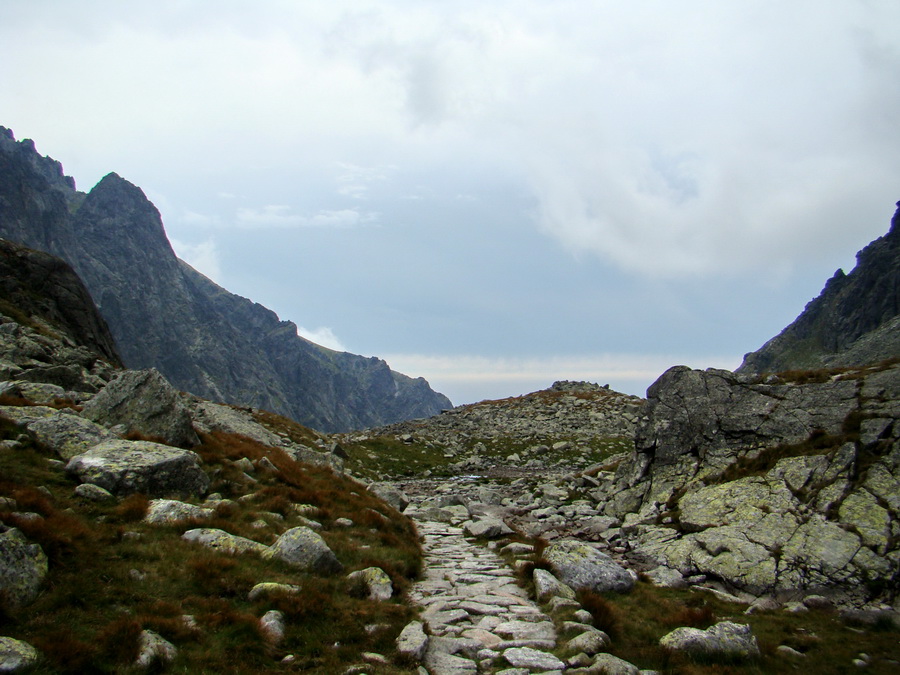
(479, 619)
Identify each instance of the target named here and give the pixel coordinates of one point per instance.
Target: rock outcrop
(770, 486)
(853, 322)
(164, 314)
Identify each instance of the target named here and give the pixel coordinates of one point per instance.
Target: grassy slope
(112, 575)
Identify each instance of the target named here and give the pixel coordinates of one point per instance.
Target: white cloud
(203, 257)
(355, 181)
(282, 216)
(323, 336)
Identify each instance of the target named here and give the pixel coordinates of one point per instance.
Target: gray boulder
(487, 528)
(390, 494)
(126, 467)
(612, 665)
(16, 655)
(145, 402)
(547, 586)
(67, 433)
(93, 493)
(304, 548)
(724, 639)
(23, 567)
(582, 566)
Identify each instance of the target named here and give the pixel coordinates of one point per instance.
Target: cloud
(283, 216)
(203, 257)
(323, 336)
(355, 181)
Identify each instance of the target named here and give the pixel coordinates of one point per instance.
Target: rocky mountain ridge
(854, 321)
(164, 314)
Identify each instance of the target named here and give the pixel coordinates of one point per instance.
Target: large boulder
(23, 567)
(67, 433)
(582, 566)
(145, 402)
(725, 639)
(127, 467)
(390, 494)
(305, 549)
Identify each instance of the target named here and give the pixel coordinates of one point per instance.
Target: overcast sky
(491, 195)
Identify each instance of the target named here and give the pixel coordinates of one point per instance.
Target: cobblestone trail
(479, 619)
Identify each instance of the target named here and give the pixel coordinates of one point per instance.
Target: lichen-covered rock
(16, 655)
(220, 540)
(94, 493)
(304, 548)
(580, 565)
(724, 639)
(374, 581)
(589, 642)
(168, 511)
(145, 402)
(23, 567)
(126, 467)
(268, 589)
(68, 434)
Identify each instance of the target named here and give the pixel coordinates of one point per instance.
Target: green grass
(112, 575)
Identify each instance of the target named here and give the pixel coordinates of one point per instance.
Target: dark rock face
(43, 286)
(165, 315)
(854, 321)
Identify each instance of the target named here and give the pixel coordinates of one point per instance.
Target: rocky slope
(853, 322)
(164, 314)
(142, 528)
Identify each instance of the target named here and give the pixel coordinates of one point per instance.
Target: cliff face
(854, 321)
(166, 315)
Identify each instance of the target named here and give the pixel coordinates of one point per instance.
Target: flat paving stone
(472, 604)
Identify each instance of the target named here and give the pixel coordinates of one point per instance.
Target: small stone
(789, 652)
(154, 649)
(375, 582)
(272, 626)
(16, 655)
(526, 657)
(268, 589)
(94, 493)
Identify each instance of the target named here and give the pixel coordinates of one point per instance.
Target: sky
(490, 195)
